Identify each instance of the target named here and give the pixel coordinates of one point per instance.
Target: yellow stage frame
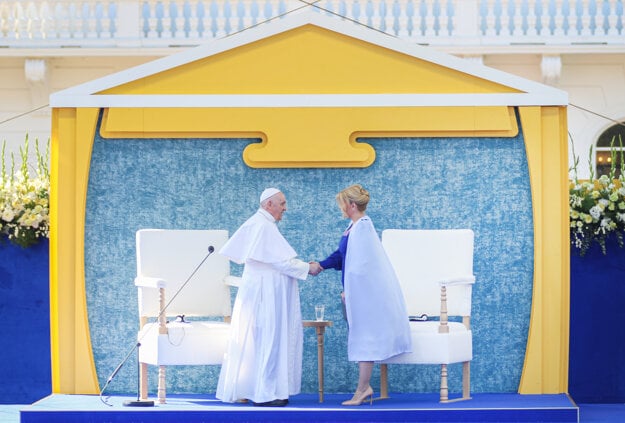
(339, 142)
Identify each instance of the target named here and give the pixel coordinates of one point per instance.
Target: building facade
(574, 45)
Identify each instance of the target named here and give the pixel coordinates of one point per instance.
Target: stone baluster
(242, 21)
(410, 18)
(87, 26)
(254, 12)
(558, 19)
(489, 19)
(70, 13)
(201, 30)
(214, 19)
(367, 18)
(327, 6)
(191, 20)
(529, 18)
(178, 20)
(162, 16)
(383, 13)
(583, 18)
(419, 19)
(519, 20)
(267, 10)
(373, 17)
(341, 8)
(18, 23)
(355, 10)
(594, 15)
(542, 18)
(609, 18)
(109, 24)
(400, 27)
(156, 19)
(98, 17)
(226, 26)
(430, 19)
(33, 22)
(565, 11)
(174, 20)
(59, 21)
(447, 23)
(46, 18)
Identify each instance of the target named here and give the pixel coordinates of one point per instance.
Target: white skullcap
(269, 192)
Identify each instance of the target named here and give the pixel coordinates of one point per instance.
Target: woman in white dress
(375, 309)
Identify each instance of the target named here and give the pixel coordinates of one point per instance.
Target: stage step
(306, 408)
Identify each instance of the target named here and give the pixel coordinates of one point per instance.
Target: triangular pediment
(309, 54)
(310, 59)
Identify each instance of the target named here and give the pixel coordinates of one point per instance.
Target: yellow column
(73, 368)
(545, 370)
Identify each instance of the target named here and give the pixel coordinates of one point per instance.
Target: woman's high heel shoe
(360, 397)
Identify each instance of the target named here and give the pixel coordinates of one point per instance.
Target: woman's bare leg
(365, 369)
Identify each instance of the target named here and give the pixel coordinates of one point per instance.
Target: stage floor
(306, 408)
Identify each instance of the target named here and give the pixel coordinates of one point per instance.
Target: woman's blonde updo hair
(354, 194)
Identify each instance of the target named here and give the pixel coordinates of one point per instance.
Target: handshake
(314, 268)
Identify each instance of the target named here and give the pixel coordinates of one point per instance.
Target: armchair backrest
(424, 258)
(173, 255)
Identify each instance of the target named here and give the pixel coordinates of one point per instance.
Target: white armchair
(166, 260)
(435, 271)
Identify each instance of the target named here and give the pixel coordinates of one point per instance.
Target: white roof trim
(307, 100)
(547, 95)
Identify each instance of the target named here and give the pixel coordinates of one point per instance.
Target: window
(610, 147)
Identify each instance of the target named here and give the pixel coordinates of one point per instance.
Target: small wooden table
(320, 327)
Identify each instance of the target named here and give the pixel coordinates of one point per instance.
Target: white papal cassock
(264, 357)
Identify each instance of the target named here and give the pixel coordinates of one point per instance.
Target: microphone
(140, 402)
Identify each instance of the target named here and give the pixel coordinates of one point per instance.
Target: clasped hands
(314, 268)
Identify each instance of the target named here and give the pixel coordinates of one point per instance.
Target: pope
(263, 362)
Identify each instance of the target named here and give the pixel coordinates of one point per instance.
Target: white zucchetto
(269, 192)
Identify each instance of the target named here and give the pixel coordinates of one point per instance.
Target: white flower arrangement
(597, 206)
(25, 198)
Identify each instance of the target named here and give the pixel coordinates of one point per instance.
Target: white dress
(375, 306)
(264, 357)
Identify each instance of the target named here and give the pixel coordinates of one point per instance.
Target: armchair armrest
(232, 281)
(444, 317)
(465, 280)
(147, 282)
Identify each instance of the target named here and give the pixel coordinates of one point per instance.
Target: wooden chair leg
(161, 384)
(143, 381)
(384, 381)
(466, 380)
(444, 388)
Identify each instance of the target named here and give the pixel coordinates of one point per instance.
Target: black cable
(598, 114)
(23, 114)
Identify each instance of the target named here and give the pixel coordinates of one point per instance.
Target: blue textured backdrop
(481, 184)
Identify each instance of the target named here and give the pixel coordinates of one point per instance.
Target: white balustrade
(163, 23)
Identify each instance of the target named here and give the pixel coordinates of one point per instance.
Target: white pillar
(467, 21)
(129, 22)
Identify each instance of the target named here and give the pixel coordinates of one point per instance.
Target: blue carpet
(306, 408)
(604, 413)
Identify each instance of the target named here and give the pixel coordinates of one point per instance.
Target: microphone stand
(138, 402)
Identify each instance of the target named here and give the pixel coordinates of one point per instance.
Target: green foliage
(25, 197)
(597, 206)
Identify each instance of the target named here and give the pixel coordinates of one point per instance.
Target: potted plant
(597, 224)
(24, 198)
(24, 277)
